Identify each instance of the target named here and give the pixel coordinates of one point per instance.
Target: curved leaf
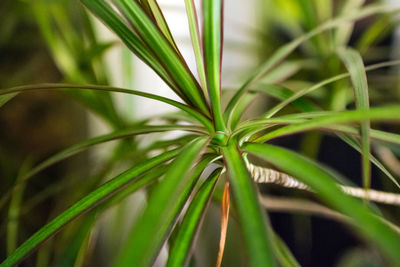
(355, 66)
(354, 144)
(54, 86)
(322, 182)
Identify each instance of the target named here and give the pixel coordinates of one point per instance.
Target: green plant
(219, 136)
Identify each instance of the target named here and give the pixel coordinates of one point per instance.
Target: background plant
(219, 142)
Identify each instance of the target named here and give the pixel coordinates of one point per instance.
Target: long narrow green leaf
(180, 249)
(150, 177)
(276, 91)
(303, 92)
(197, 46)
(85, 244)
(241, 107)
(378, 30)
(91, 200)
(354, 144)
(355, 67)
(212, 43)
(287, 49)
(386, 136)
(343, 133)
(166, 54)
(14, 211)
(283, 93)
(110, 18)
(384, 113)
(61, 53)
(161, 22)
(322, 182)
(167, 200)
(56, 86)
(251, 216)
(375, 134)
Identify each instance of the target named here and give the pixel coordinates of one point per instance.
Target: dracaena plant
(219, 141)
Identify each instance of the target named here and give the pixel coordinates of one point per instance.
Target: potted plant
(219, 147)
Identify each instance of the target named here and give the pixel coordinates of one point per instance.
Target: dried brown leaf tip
(224, 223)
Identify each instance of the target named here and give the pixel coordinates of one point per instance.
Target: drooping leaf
(59, 86)
(322, 182)
(309, 107)
(354, 144)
